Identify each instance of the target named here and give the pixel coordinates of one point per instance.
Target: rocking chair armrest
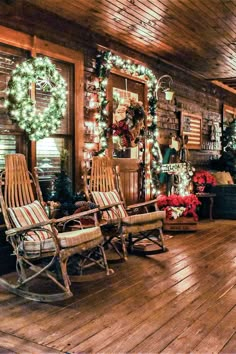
(109, 206)
(138, 205)
(18, 230)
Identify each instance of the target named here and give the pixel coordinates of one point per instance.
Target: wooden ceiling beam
(225, 87)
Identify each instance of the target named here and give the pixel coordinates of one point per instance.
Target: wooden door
(131, 159)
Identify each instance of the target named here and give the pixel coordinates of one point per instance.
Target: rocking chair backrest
(18, 187)
(102, 175)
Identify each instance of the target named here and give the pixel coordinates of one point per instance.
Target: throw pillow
(108, 198)
(31, 214)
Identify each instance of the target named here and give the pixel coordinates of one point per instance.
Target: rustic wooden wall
(191, 94)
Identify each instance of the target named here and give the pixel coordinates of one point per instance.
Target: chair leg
(123, 244)
(86, 261)
(20, 270)
(130, 243)
(155, 239)
(109, 271)
(161, 237)
(65, 277)
(121, 253)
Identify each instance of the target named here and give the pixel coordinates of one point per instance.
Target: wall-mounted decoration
(191, 125)
(126, 124)
(22, 108)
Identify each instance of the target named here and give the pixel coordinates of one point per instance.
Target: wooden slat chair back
(143, 227)
(20, 187)
(103, 178)
(18, 184)
(102, 175)
(35, 238)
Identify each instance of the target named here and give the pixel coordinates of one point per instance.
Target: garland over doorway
(105, 61)
(21, 105)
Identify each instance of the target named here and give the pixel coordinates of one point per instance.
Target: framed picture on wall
(191, 125)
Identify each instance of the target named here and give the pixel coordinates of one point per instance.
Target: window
(12, 138)
(50, 152)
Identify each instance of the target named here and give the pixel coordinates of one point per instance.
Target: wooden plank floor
(180, 301)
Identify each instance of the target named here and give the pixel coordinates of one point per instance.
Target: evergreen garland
(105, 61)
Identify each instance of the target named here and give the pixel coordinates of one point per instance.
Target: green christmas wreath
(22, 108)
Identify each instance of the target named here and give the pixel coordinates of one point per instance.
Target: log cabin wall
(191, 94)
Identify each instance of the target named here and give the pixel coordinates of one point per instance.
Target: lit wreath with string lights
(22, 108)
(105, 61)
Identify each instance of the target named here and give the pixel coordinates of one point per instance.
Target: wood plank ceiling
(198, 35)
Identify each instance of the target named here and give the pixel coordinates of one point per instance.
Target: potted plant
(181, 211)
(203, 180)
(177, 205)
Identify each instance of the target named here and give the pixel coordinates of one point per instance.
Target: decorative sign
(191, 125)
(174, 167)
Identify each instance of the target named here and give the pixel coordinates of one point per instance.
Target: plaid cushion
(79, 237)
(36, 248)
(147, 218)
(143, 222)
(107, 198)
(31, 214)
(84, 239)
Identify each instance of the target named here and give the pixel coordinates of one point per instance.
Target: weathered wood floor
(181, 301)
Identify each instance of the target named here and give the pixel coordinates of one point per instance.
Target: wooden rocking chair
(39, 248)
(135, 223)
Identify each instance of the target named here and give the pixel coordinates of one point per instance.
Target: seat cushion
(107, 198)
(143, 222)
(31, 214)
(82, 239)
(79, 237)
(37, 248)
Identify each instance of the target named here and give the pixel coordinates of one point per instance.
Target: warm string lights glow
(22, 108)
(104, 63)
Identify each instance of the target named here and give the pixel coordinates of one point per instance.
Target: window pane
(48, 150)
(7, 146)
(9, 58)
(42, 98)
(12, 143)
(50, 154)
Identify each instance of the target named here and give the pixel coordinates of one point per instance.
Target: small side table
(209, 196)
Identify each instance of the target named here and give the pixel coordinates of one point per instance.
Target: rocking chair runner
(142, 229)
(37, 245)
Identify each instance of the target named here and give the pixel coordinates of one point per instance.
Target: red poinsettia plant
(204, 177)
(177, 205)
